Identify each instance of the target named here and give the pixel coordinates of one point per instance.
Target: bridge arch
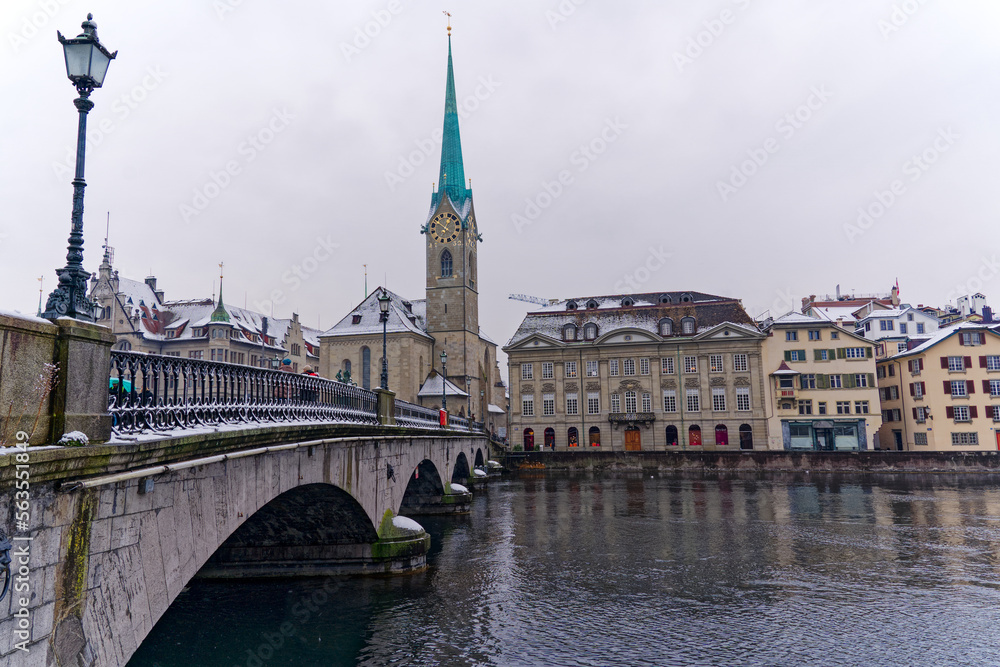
(480, 460)
(300, 532)
(461, 472)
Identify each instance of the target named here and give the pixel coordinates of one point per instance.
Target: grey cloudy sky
(739, 137)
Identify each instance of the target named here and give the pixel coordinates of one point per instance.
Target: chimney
(987, 315)
(838, 292)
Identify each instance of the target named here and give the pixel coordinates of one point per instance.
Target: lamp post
(444, 380)
(86, 65)
(383, 306)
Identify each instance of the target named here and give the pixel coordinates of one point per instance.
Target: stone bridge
(118, 530)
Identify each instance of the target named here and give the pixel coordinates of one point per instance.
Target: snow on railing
(150, 393)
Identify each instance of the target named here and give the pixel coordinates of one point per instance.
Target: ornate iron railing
(408, 414)
(150, 393)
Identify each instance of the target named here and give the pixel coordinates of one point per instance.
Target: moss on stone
(73, 576)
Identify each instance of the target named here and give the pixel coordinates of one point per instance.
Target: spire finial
(448, 14)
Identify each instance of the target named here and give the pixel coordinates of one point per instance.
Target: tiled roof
(365, 318)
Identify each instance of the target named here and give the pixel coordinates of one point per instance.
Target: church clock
(445, 227)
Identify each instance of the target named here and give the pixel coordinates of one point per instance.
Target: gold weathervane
(448, 14)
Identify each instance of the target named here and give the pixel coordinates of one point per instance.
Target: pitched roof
(941, 335)
(365, 318)
(432, 387)
(644, 314)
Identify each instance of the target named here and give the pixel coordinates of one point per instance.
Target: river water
(639, 570)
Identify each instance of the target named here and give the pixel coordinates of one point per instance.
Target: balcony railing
(151, 393)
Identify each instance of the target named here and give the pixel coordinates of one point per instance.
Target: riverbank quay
(763, 461)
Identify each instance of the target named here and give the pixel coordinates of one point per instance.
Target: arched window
(746, 437)
(694, 436)
(366, 368)
(529, 439)
(592, 303)
(569, 332)
(721, 435)
(671, 436)
(595, 436)
(347, 366)
(665, 298)
(628, 302)
(571, 305)
(686, 298)
(446, 264)
(687, 326)
(589, 331)
(573, 437)
(666, 326)
(550, 438)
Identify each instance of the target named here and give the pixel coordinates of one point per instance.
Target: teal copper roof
(452, 177)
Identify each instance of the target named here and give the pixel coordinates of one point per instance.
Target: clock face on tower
(445, 227)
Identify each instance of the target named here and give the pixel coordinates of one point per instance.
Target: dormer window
(688, 326)
(665, 298)
(666, 326)
(571, 305)
(628, 302)
(592, 303)
(569, 332)
(590, 331)
(356, 318)
(686, 298)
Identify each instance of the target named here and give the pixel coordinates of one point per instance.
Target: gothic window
(446, 270)
(366, 368)
(472, 272)
(347, 366)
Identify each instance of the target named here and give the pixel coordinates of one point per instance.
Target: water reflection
(640, 570)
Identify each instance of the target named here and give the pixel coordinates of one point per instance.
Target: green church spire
(220, 314)
(452, 178)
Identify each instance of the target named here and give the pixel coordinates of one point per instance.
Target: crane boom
(529, 299)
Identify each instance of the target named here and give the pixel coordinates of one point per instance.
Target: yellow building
(821, 393)
(943, 394)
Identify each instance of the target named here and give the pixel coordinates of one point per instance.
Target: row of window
(672, 435)
(831, 354)
(827, 381)
(628, 302)
(805, 407)
(890, 325)
(627, 367)
(634, 401)
(814, 334)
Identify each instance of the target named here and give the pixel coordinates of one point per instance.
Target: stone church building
(446, 319)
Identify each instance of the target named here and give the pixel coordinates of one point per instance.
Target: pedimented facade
(659, 371)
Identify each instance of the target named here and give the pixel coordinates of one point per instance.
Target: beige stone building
(821, 392)
(660, 371)
(143, 321)
(944, 393)
(446, 320)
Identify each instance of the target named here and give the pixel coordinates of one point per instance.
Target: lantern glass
(99, 62)
(78, 59)
(383, 302)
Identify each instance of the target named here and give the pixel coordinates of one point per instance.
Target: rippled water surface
(640, 570)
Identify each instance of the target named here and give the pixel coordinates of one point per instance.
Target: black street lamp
(86, 65)
(444, 380)
(383, 306)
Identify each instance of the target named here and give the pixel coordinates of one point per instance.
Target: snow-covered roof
(644, 314)
(940, 336)
(794, 317)
(495, 409)
(432, 387)
(365, 318)
(834, 313)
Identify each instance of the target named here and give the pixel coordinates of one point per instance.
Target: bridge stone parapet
(118, 530)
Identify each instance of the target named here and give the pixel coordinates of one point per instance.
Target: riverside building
(658, 371)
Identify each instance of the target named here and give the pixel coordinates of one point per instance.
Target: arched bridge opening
(462, 472)
(312, 529)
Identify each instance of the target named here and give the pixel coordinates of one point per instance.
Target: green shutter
(841, 353)
(788, 355)
(848, 380)
(831, 354)
(817, 356)
(802, 355)
(871, 377)
(822, 382)
(869, 352)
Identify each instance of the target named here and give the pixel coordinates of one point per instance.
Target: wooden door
(633, 440)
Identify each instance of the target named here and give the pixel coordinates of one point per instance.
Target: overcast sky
(725, 147)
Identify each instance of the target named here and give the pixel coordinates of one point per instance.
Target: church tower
(452, 239)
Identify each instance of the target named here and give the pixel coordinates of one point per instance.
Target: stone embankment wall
(764, 461)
